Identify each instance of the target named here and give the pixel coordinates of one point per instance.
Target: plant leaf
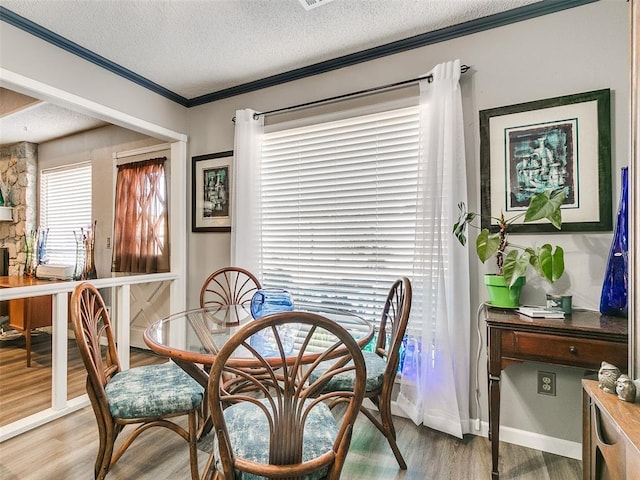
(546, 205)
(464, 219)
(556, 219)
(544, 262)
(487, 244)
(558, 263)
(532, 255)
(549, 263)
(515, 265)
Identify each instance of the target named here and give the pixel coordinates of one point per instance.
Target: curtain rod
(429, 78)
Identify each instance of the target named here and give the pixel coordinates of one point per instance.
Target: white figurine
(607, 377)
(625, 389)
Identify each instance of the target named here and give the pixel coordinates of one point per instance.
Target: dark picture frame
(211, 184)
(560, 142)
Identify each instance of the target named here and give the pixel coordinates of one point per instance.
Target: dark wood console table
(583, 339)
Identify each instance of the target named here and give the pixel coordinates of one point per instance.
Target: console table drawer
(563, 350)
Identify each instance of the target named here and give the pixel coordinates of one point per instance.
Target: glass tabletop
(196, 335)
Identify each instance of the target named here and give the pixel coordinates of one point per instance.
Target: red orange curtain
(141, 227)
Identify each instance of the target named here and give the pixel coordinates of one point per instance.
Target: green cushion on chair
(249, 436)
(375, 364)
(152, 391)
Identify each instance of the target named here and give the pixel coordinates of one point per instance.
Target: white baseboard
(557, 446)
(544, 443)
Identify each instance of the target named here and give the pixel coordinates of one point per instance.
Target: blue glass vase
(270, 300)
(613, 300)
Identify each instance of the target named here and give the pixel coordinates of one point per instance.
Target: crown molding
(53, 38)
(519, 14)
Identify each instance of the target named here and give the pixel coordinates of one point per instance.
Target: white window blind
(338, 209)
(65, 208)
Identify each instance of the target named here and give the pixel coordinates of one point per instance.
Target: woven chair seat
(152, 391)
(249, 434)
(344, 381)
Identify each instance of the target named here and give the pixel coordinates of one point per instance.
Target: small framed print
(562, 142)
(211, 183)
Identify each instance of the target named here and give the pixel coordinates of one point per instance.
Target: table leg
(494, 423)
(202, 377)
(27, 341)
(198, 374)
(494, 369)
(488, 390)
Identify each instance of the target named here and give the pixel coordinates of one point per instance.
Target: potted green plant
(512, 259)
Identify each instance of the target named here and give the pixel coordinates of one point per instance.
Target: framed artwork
(561, 142)
(211, 180)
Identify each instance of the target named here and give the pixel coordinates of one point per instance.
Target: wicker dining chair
(145, 397)
(282, 427)
(382, 364)
(228, 286)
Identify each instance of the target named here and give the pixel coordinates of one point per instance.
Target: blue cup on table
(270, 300)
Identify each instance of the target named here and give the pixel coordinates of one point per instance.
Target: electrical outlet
(547, 383)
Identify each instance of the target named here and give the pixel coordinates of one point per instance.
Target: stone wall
(18, 166)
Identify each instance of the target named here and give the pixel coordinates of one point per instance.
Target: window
(65, 208)
(141, 227)
(338, 208)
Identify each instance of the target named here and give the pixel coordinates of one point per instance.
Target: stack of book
(536, 311)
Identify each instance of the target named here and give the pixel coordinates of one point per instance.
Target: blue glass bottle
(401, 354)
(613, 300)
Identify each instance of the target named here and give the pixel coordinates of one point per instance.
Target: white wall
(578, 50)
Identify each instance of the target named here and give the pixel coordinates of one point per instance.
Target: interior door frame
(634, 169)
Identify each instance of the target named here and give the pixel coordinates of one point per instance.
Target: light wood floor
(25, 391)
(65, 450)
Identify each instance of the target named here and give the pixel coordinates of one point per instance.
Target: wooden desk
(610, 435)
(25, 314)
(583, 339)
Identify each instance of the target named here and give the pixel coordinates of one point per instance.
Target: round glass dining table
(193, 337)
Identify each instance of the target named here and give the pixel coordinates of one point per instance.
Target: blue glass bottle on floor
(613, 300)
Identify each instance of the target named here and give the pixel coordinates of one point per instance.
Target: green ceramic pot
(499, 294)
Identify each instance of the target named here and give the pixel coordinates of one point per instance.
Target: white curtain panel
(245, 210)
(440, 312)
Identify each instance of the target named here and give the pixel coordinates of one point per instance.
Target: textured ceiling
(26, 119)
(197, 47)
